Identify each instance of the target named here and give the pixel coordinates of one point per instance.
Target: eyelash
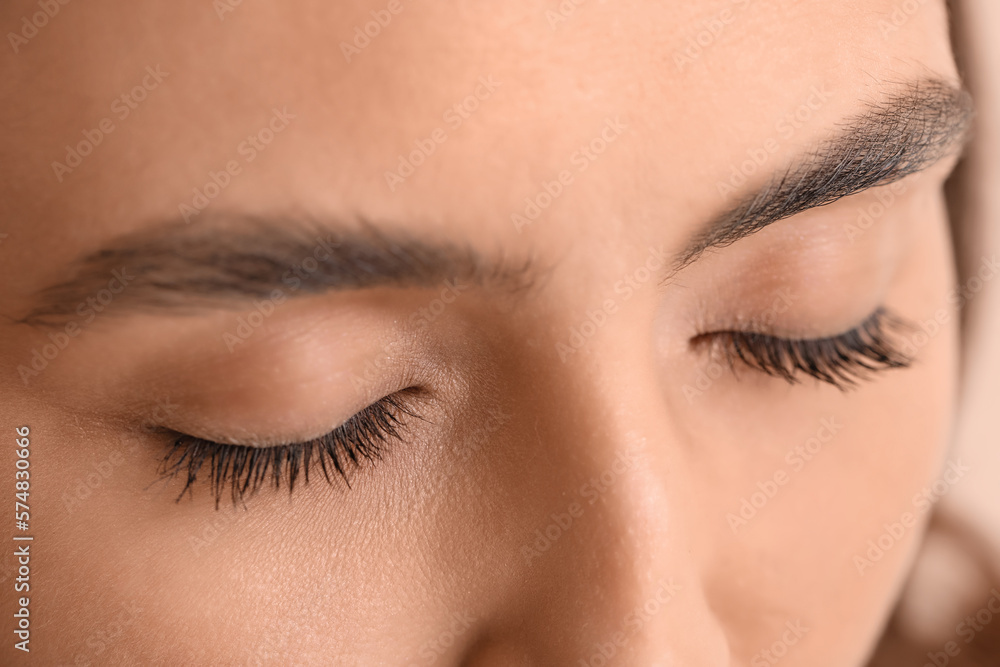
(361, 439)
(842, 360)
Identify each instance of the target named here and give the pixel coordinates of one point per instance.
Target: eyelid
(841, 360)
(362, 439)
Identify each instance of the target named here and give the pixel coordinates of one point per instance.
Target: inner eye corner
(702, 342)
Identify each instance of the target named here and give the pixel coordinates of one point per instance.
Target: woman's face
(564, 239)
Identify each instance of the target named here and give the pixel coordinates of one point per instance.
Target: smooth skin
(437, 554)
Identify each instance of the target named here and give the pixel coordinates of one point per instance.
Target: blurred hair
(959, 550)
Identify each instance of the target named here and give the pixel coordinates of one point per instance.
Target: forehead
(443, 114)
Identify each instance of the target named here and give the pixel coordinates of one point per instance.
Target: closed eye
(842, 360)
(242, 470)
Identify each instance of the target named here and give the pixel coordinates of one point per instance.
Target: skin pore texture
(582, 475)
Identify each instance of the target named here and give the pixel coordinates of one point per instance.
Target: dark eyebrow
(902, 135)
(224, 260)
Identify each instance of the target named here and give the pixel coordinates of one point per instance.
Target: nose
(610, 552)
